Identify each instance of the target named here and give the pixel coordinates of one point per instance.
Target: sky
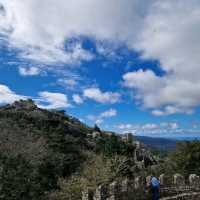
(126, 65)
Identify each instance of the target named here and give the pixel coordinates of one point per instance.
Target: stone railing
(139, 189)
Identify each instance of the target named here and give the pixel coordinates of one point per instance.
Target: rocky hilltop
(40, 147)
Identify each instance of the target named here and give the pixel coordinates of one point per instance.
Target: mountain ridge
(158, 142)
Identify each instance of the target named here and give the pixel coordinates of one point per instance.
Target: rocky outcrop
(24, 104)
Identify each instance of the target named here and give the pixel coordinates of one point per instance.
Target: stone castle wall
(138, 189)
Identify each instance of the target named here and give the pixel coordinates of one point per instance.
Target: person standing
(155, 185)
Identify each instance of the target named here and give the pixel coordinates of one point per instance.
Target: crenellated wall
(139, 189)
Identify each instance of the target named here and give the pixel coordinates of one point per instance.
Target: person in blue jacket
(155, 185)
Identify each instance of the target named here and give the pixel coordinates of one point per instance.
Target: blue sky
(129, 66)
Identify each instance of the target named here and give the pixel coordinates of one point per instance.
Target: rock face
(143, 157)
(24, 104)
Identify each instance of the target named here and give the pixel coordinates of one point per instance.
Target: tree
(186, 158)
(96, 128)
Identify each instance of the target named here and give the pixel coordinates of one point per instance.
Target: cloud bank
(102, 97)
(45, 99)
(7, 96)
(99, 119)
(167, 31)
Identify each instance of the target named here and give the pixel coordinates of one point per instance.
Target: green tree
(186, 158)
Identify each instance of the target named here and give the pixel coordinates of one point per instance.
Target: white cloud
(68, 83)
(163, 95)
(50, 100)
(108, 113)
(170, 125)
(7, 96)
(41, 29)
(77, 99)
(124, 126)
(149, 128)
(171, 36)
(32, 71)
(98, 119)
(46, 100)
(102, 97)
(39, 36)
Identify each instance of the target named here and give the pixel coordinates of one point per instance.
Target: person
(155, 185)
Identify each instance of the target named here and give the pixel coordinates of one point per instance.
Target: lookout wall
(172, 188)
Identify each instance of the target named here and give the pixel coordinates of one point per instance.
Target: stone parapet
(139, 188)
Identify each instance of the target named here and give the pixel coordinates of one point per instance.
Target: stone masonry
(175, 187)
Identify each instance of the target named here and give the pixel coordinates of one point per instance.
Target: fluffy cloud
(170, 125)
(102, 97)
(149, 128)
(41, 37)
(50, 100)
(47, 100)
(32, 71)
(40, 29)
(171, 36)
(7, 96)
(77, 99)
(108, 113)
(163, 95)
(98, 119)
(68, 83)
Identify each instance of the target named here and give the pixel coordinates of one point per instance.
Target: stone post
(138, 183)
(101, 193)
(115, 191)
(87, 194)
(194, 180)
(125, 186)
(162, 179)
(148, 181)
(127, 190)
(178, 180)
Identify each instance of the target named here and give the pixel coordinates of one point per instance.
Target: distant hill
(158, 143)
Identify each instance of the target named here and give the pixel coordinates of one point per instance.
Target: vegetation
(48, 155)
(186, 158)
(41, 151)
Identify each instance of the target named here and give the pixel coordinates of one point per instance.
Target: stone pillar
(148, 181)
(166, 180)
(101, 193)
(87, 194)
(125, 186)
(127, 190)
(178, 180)
(194, 180)
(162, 179)
(138, 183)
(115, 191)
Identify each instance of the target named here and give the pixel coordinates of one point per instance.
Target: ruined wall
(185, 196)
(138, 189)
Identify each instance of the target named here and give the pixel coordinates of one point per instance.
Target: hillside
(39, 148)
